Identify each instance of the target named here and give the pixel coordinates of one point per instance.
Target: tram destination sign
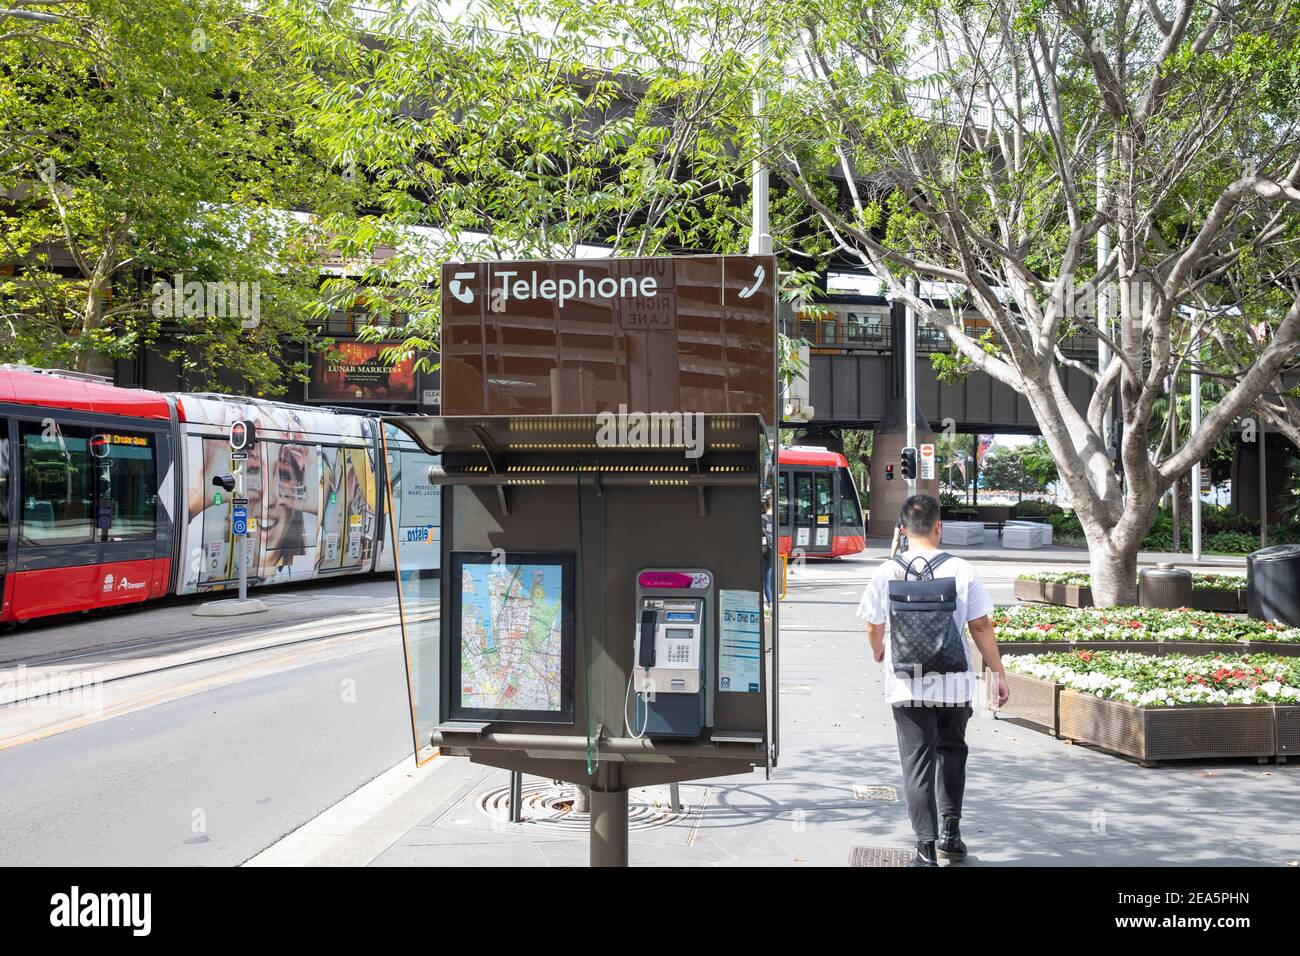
(581, 336)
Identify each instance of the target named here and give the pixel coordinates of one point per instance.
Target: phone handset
(646, 651)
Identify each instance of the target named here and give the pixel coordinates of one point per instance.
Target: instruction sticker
(740, 641)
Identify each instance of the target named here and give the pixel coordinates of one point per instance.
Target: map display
(512, 636)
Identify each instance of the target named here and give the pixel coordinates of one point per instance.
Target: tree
(143, 141)
(1040, 465)
(1005, 469)
(986, 148)
(507, 131)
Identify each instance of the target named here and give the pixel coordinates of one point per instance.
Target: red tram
(818, 510)
(106, 495)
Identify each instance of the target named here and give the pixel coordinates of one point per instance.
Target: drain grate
(882, 794)
(880, 856)
(550, 806)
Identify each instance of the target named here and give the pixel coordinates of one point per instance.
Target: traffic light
(889, 472)
(909, 463)
(243, 434)
(224, 482)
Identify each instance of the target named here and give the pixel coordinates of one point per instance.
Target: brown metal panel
(694, 333)
(844, 400)
(873, 387)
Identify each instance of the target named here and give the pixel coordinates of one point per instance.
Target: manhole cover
(880, 856)
(882, 794)
(550, 806)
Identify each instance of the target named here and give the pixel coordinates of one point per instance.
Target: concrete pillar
(887, 497)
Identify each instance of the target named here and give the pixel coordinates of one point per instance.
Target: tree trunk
(1114, 576)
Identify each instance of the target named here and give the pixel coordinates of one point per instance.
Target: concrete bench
(1026, 534)
(963, 533)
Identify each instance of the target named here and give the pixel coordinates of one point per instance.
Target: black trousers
(932, 748)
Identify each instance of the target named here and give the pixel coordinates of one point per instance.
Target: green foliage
(1037, 509)
(141, 139)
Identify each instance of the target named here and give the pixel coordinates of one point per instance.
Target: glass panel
(58, 484)
(211, 508)
(414, 523)
(127, 483)
(360, 506)
(4, 492)
(330, 555)
(803, 499)
(824, 506)
(850, 510)
(291, 510)
(783, 499)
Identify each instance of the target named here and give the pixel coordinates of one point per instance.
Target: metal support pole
(1196, 468)
(608, 827)
(1263, 489)
(675, 797)
(909, 375)
(241, 544)
(516, 797)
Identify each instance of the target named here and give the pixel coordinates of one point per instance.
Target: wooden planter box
(1076, 595)
(1033, 700)
(1287, 717)
(1044, 592)
(1228, 602)
(1202, 648)
(1152, 734)
(1276, 648)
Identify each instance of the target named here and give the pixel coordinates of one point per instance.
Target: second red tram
(818, 509)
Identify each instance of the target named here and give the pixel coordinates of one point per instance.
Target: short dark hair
(919, 514)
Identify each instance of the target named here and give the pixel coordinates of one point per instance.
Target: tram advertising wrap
(117, 484)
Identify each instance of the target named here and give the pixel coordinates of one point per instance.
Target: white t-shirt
(973, 602)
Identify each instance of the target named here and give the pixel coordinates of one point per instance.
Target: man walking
(931, 706)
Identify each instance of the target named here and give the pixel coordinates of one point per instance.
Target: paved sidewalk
(1030, 799)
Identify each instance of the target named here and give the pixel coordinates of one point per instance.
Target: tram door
(823, 513)
(4, 509)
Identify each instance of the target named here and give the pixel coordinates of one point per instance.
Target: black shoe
(950, 845)
(924, 854)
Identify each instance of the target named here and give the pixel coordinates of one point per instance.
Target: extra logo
(760, 273)
(461, 293)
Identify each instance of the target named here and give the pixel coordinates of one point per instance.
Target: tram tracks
(39, 701)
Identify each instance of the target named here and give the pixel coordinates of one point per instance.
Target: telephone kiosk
(672, 652)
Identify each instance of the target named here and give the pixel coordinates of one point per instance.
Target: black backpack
(924, 638)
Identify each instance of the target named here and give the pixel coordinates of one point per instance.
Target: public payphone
(672, 652)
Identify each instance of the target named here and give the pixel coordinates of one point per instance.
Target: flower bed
(1210, 592)
(1157, 708)
(1040, 623)
(1148, 680)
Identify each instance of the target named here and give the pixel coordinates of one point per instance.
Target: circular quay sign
(606, 443)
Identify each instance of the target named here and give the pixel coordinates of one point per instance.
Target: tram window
(783, 500)
(4, 487)
(824, 495)
(128, 479)
(803, 499)
(849, 511)
(57, 484)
